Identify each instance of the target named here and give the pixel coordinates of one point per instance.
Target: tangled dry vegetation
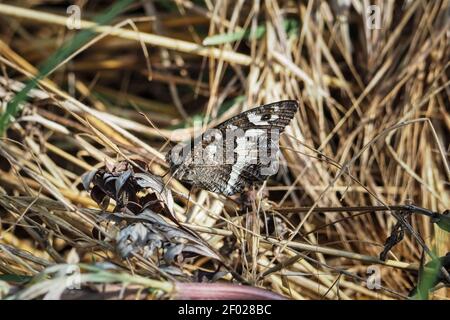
(84, 199)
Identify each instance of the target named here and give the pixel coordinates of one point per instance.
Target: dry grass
(373, 129)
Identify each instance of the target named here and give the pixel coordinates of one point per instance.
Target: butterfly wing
(246, 135)
(261, 126)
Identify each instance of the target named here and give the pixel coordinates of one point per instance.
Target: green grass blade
(55, 59)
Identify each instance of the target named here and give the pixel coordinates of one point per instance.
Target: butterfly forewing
(275, 115)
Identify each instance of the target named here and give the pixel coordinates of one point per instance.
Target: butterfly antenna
(156, 128)
(171, 176)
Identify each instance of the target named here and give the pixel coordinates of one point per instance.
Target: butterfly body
(237, 153)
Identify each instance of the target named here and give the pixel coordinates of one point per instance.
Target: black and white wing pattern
(240, 152)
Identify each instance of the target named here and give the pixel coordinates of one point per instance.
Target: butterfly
(238, 153)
